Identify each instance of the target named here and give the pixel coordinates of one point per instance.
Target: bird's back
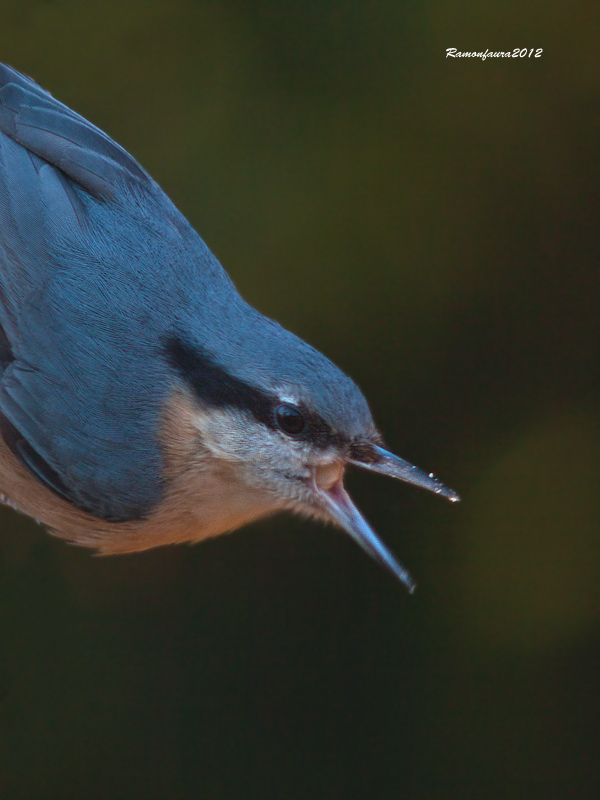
(95, 265)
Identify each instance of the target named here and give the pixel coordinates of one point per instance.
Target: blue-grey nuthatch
(142, 401)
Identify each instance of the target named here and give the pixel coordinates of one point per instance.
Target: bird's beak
(388, 464)
(336, 502)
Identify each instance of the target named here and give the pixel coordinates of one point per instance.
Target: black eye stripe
(216, 387)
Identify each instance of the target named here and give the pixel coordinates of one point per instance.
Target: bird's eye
(290, 419)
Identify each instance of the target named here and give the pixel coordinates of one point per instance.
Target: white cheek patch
(223, 434)
(234, 436)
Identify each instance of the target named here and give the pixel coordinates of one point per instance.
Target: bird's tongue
(342, 510)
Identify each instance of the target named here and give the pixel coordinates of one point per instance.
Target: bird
(143, 402)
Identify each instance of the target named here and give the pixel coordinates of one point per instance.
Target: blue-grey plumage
(142, 401)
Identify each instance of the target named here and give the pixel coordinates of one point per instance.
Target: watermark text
(524, 52)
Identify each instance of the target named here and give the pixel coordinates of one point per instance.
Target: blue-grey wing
(84, 235)
(55, 133)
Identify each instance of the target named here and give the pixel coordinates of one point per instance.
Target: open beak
(337, 503)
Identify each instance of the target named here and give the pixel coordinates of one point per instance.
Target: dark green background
(431, 225)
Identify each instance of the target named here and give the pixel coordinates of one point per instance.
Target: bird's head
(283, 428)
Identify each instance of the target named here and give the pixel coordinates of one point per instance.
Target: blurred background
(430, 224)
